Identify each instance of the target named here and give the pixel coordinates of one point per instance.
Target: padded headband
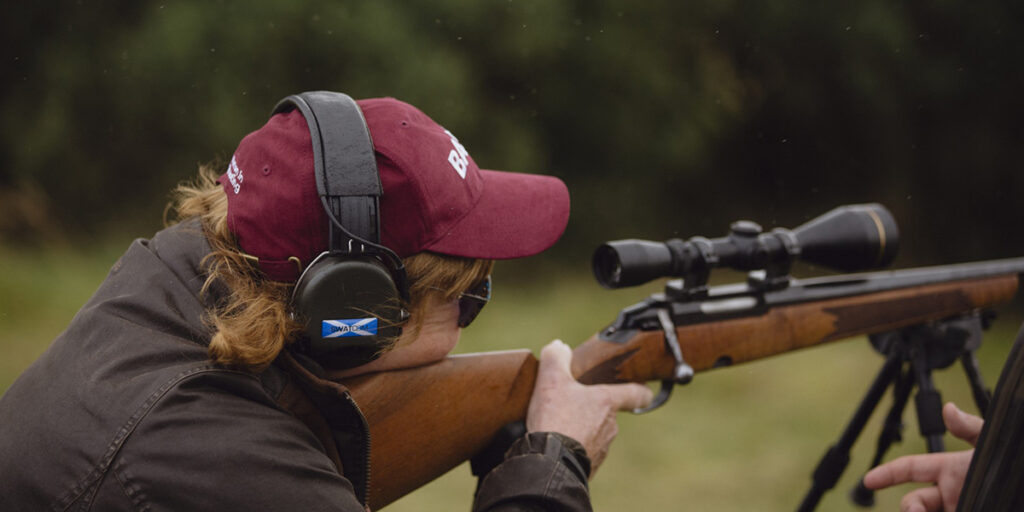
(347, 179)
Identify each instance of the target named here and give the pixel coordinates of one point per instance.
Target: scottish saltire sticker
(346, 327)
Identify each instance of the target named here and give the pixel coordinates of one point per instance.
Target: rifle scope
(849, 238)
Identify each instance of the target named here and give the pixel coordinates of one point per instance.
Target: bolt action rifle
(920, 319)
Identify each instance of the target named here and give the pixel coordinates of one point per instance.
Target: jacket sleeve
(542, 471)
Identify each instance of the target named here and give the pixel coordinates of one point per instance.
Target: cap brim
(517, 215)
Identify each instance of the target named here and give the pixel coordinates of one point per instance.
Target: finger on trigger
(631, 396)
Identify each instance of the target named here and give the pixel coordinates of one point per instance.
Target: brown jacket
(125, 412)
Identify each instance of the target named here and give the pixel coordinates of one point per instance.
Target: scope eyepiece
(848, 238)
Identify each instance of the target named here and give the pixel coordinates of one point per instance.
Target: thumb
(555, 360)
(961, 424)
(628, 397)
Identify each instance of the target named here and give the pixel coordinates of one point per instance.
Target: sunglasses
(472, 301)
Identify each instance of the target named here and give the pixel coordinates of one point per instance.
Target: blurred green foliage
(665, 118)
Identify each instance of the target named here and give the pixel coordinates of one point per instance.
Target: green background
(666, 119)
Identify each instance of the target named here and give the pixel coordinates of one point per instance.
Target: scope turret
(848, 238)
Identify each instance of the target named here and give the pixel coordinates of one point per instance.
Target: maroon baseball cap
(435, 197)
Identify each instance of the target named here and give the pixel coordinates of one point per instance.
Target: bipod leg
(963, 336)
(928, 402)
(836, 458)
(982, 395)
(892, 431)
(974, 327)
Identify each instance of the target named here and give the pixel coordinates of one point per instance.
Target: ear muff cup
(351, 309)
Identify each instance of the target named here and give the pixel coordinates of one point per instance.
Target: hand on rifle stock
(946, 470)
(584, 413)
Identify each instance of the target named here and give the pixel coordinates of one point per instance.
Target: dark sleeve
(994, 479)
(215, 442)
(542, 471)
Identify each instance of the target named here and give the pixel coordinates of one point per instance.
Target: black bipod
(911, 355)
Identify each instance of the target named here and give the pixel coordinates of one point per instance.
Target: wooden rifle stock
(425, 421)
(783, 329)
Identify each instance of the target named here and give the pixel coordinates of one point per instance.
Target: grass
(743, 438)
(40, 290)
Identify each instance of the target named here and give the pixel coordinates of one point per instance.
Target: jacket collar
(182, 248)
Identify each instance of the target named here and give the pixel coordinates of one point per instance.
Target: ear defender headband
(351, 296)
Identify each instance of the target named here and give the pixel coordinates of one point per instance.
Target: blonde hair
(253, 322)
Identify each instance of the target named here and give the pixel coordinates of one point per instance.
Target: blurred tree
(665, 118)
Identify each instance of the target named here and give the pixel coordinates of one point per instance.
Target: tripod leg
(834, 462)
(891, 432)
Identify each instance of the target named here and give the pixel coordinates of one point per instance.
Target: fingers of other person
(925, 499)
(961, 424)
(912, 468)
(934, 467)
(946, 470)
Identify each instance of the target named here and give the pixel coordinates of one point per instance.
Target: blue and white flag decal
(346, 327)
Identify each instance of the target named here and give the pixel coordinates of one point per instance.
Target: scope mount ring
(681, 374)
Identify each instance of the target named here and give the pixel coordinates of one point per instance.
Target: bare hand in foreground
(946, 470)
(584, 413)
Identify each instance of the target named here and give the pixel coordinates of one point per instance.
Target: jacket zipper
(366, 436)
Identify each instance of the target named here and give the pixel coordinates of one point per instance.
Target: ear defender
(351, 307)
(351, 297)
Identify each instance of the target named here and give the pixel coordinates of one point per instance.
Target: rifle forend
(739, 323)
